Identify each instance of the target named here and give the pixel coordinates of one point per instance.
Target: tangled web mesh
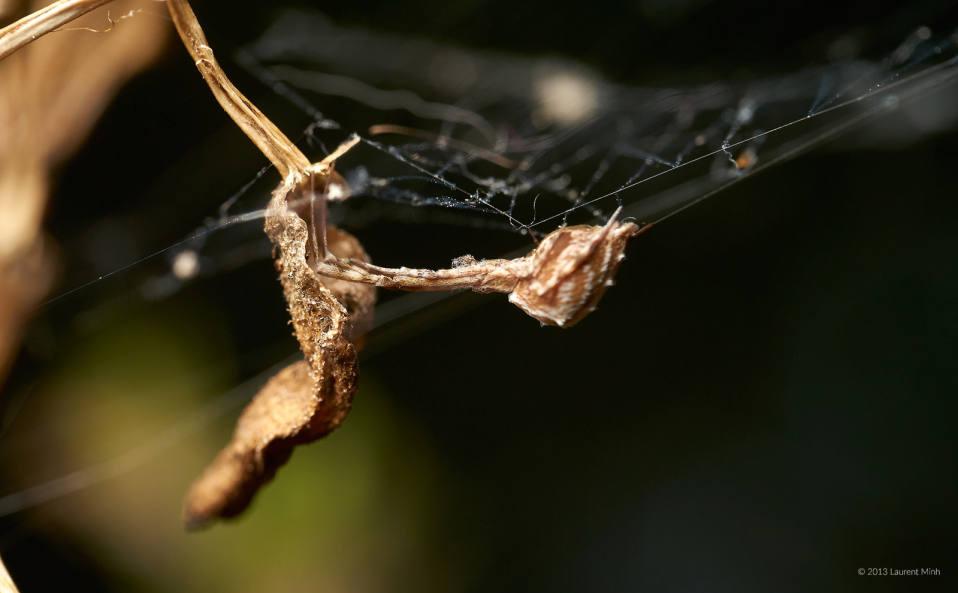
(524, 145)
(532, 144)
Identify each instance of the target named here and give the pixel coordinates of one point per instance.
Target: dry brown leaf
(51, 94)
(558, 283)
(307, 400)
(570, 270)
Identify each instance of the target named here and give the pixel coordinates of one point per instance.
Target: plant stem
(46, 20)
(497, 275)
(287, 158)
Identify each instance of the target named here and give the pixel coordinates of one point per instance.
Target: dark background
(764, 402)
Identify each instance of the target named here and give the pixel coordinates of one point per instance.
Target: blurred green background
(765, 401)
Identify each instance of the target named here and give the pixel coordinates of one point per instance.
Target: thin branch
(558, 283)
(496, 275)
(46, 20)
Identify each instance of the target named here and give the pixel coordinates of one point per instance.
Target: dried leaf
(51, 94)
(306, 400)
(570, 270)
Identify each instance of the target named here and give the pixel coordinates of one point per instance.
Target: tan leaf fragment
(570, 270)
(307, 400)
(51, 94)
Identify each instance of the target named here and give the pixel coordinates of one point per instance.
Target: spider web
(523, 145)
(529, 144)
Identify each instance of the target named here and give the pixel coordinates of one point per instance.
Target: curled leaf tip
(570, 270)
(308, 399)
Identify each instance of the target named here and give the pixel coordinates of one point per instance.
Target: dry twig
(558, 283)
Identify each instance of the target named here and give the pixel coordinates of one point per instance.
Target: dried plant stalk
(267, 137)
(37, 24)
(558, 283)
